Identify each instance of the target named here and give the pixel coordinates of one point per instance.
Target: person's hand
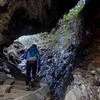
(38, 69)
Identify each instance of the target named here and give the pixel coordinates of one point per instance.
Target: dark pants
(31, 66)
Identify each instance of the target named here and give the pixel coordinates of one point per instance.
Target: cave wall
(30, 16)
(88, 22)
(23, 17)
(26, 17)
(90, 16)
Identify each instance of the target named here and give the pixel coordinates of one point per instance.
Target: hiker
(32, 57)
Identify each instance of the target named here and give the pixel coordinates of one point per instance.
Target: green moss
(72, 12)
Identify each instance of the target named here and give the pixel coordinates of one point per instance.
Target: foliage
(72, 12)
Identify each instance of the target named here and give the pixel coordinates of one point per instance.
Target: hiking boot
(27, 88)
(33, 79)
(32, 82)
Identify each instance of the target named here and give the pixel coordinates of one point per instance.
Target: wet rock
(56, 72)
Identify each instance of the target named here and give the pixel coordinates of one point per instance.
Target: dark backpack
(32, 54)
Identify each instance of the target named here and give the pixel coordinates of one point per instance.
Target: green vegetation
(66, 17)
(72, 12)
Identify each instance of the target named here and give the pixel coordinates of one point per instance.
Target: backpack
(32, 54)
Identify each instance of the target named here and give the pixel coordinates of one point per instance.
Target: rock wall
(20, 17)
(25, 17)
(9, 59)
(14, 52)
(86, 83)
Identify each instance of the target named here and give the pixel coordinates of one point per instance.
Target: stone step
(9, 82)
(39, 94)
(16, 91)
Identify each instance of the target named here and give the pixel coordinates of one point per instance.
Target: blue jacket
(26, 53)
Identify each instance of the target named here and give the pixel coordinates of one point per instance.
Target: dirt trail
(11, 89)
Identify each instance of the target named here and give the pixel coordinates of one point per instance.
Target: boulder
(71, 96)
(77, 93)
(14, 52)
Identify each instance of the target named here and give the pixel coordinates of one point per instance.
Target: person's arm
(25, 55)
(39, 61)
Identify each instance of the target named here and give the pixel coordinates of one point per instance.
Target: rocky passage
(86, 84)
(11, 89)
(24, 17)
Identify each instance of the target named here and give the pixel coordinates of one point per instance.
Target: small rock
(3, 77)
(2, 2)
(9, 82)
(71, 96)
(93, 72)
(4, 89)
(98, 93)
(9, 76)
(98, 90)
(98, 70)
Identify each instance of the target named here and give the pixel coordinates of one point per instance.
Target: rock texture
(14, 52)
(86, 83)
(9, 59)
(12, 89)
(20, 17)
(25, 17)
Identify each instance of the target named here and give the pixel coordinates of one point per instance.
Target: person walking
(32, 57)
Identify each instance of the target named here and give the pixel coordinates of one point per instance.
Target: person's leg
(28, 70)
(34, 68)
